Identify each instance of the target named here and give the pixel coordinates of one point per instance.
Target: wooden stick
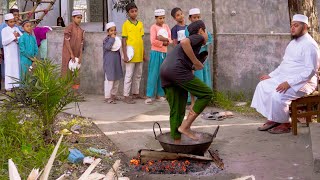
(85, 175)
(113, 171)
(216, 159)
(13, 171)
(42, 10)
(48, 167)
(48, 8)
(146, 155)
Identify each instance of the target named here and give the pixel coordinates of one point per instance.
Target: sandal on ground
(110, 101)
(229, 114)
(279, 130)
(148, 101)
(212, 116)
(161, 99)
(268, 125)
(128, 100)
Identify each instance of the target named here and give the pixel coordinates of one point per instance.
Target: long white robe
(300, 63)
(11, 56)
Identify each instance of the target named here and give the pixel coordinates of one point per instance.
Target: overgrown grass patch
(21, 139)
(226, 100)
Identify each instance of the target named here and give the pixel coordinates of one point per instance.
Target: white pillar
(66, 10)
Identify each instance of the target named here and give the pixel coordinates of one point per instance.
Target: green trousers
(177, 96)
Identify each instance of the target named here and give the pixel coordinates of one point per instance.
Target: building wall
(250, 57)
(91, 73)
(252, 36)
(252, 16)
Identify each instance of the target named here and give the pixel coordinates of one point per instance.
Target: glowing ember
(134, 161)
(169, 167)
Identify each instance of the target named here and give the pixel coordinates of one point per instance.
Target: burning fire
(135, 162)
(162, 167)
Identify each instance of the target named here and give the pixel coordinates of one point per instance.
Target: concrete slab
(315, 136)
(244, 150)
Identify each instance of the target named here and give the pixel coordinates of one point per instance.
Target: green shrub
(45, 92)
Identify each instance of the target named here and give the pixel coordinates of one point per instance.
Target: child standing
(72, 44)
(28, 48)
(178, 31)
(160, 37)
(111, 63)
(132, 35)
(204, 74)
(10, 36)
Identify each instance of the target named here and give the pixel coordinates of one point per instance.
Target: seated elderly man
(295, 77)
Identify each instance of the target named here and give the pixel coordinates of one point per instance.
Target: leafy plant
(45, 92)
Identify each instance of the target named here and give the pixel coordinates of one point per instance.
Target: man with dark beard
(295, 77)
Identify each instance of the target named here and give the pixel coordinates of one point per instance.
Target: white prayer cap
(301, 18)
(159, 12)
(194, 11)
(76, 13)
(110, 25)
(8, 16)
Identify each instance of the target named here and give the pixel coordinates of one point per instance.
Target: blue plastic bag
(75, 156)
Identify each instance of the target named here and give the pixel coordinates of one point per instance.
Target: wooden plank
(96, 176)
(146, 155)
(48, 167)
(113, 172)
(216, 159)
(85, 175)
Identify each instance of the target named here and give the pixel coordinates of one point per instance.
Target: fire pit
(184, 158)
(187, 145)
(161, 162)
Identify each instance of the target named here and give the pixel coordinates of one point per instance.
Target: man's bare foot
(177, 141)
(188, 133)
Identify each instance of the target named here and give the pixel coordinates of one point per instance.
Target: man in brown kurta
(72, 44)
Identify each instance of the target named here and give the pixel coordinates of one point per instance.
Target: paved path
(245, 150)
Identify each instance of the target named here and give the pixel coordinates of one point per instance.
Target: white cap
(194, 11)
(159, 12)
(110, 25)
(8, 16)
(76, 13)
(301, 18)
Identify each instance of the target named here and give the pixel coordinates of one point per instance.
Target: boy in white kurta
(293, 78)
(10, 35)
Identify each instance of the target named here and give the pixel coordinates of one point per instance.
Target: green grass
(226, 100)
(22, 141)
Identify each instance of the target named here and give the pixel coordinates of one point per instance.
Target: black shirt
(177, 67)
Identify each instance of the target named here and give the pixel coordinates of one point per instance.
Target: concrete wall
(246, 48)
(243, 58)
(147, 14)
(252, 16)
(91, 74)
(238, 71)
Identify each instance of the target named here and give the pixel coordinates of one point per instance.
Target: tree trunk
(215, 47)
(308, 8)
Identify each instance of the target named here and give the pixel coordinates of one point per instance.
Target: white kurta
(11, 56)
(300, 63)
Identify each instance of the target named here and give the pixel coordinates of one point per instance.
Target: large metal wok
(187, 145)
